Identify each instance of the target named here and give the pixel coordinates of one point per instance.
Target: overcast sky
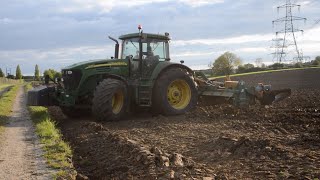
(56, 33)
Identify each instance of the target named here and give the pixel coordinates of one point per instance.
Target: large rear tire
(110, 100)
(175, 92)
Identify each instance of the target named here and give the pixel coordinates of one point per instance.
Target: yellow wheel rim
(117, 102)
(179, 94)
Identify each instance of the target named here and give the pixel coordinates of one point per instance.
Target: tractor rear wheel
(175, 92)
(110, 100)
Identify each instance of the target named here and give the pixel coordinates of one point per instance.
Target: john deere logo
(107, 64)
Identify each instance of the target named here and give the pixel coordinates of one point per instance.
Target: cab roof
(147, 35)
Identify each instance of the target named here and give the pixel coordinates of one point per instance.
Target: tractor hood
(91, 63)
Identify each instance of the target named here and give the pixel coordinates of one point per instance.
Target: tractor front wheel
(175, 92)
(110, 100)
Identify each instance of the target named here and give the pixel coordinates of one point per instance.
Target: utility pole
(289, 36)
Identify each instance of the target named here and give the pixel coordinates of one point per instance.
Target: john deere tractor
(140, 76)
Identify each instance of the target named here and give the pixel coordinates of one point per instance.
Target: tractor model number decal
(107, 64)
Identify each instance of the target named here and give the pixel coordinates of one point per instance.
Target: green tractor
(140, 76)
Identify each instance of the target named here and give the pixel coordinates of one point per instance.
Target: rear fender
(162, 67)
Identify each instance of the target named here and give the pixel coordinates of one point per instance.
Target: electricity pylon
(289, 36)
(277, 46)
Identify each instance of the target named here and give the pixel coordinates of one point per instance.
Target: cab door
(131, 49)
(153, 52)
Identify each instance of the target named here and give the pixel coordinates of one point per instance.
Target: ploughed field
(279, 141)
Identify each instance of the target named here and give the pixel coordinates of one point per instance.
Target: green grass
(57, 152)
(261, 72)
(6, 103)
(3, 86)
(28, 87)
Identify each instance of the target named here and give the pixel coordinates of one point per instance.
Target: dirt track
(20, 151)
(280, 141)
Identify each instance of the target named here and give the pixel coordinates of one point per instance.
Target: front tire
(175, 92)
(110, 100)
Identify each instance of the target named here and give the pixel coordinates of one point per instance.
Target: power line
(289, 36)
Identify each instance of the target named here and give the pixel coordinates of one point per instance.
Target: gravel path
(20, 152)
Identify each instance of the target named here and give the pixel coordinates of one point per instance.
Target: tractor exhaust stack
(116, 47)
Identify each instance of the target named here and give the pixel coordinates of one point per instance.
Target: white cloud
(5, 20)
(199, 67)
(312, 34)
(191, 54)
(309, 42)
(252, 50)
(304, 2)
(102, 5)
(108, 5)
(198, 3)
(216, 53)
(230, 40)
(55, 57)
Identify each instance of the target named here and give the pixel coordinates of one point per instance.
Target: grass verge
(3, 86)
(261, 72)
(28, 87)
(6, 103)
(58, 153)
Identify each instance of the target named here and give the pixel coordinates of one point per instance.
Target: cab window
(130, 47)
(150, 47)
(157, 48)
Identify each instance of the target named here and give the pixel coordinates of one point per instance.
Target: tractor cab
(145, 51)
(145, 46)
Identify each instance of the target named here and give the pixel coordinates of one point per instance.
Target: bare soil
(20, 152)
(281, 141)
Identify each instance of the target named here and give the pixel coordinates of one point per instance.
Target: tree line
(229, 63)
(51, 72)
(226, 64)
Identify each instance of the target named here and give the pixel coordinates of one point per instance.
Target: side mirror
(46, 79)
